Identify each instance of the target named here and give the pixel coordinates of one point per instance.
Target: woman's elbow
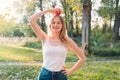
(31, 19)
(84, 58)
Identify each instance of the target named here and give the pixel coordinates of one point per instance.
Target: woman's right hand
(56, 11)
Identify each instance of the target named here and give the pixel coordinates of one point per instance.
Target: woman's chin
(55, 31)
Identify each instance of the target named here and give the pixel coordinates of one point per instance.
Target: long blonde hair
(63, 33)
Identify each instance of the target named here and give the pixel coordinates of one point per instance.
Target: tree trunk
(43, 25)
(77, 29)
(104, 28)
(116, 23)
(111, 13)
(86, 19)
(71, 22)
(65, 7)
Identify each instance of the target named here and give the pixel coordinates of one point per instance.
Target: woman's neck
(54, 36)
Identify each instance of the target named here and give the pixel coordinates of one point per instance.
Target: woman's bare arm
(80, 54)
(33, 21)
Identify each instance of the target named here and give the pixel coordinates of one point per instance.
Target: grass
(19, 54)
(93, 69)
(89, 71)
(23, 54)
(97, 71)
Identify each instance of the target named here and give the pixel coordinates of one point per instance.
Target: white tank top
(53, 56)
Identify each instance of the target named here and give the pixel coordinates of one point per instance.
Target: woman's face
(56, 25)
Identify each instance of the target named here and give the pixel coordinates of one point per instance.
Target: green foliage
(71, 57)
(36, 45)
(72, 10)
(99, 39)
(77, 40)
(117, 45)
(27, 30)
(89, 71)
(107, 9)
(93, 57)
(17, 33)
(103, 12)
(6, 26)
(19, 54)
(102, 43)
(23, 54)
(19, 72)
(29, 6)
(101, 51)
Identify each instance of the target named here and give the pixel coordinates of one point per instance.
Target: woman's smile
(56, 25)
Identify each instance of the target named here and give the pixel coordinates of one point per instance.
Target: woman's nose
(55, 24)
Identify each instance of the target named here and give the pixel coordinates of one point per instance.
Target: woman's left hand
(67, 72)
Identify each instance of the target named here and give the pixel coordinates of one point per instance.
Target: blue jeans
(49, 75)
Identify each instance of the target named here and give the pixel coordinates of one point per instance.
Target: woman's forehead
(56, 19)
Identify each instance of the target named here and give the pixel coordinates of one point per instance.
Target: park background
(21, 51)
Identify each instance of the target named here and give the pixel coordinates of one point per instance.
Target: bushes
(101, 51)
(36, 45)
(101, 43)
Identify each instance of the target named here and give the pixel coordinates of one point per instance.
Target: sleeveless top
(53, 56)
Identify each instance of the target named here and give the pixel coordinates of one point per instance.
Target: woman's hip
(46, 74)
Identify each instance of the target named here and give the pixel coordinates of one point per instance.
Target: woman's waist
(56, 66)
(50, 71)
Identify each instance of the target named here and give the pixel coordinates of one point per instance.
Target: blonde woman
(55, 46)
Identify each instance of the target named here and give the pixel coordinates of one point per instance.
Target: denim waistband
(54, 72)
(46, 74)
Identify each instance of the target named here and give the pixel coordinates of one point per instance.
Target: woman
(55, 45)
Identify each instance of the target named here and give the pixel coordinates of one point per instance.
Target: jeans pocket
(44, 74)
(62, 76)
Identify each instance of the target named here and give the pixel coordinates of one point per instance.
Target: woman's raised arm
(37, 29)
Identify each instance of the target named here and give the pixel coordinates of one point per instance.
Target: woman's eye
(58, 23)
(53, 22)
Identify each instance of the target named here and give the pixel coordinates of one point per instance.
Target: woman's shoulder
(69, 40)
(45, 39)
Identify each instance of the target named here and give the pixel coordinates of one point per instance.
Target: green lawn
(23, 54)
(93, 69)
(19, 54)
(89, 71)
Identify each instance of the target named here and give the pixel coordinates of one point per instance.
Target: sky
(6, 7)
(4, 4)
(95, 17)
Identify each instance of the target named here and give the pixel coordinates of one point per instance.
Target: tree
(43, 25)
(65, 6)
(106, 11)
(72, 10)
(24, 9)
(6, 26)
(116, 23)
(71, 22)
(111, 11)
(17, 33)
(86, 25)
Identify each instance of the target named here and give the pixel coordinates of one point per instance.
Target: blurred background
(93, 24)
